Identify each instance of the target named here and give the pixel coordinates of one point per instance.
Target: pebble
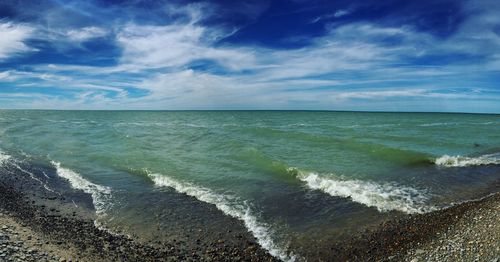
(472, 235)
(60, 232)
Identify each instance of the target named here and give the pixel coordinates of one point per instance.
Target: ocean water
(296, 180)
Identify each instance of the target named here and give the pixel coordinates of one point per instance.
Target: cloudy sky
(394, 55)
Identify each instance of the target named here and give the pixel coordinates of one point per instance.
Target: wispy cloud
(85, 33)
(176, 45)
(337, 14)
(186, 63)
(13, 37)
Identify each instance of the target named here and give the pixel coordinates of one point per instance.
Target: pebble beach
(31, 231)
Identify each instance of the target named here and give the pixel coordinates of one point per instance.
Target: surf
(7, 160)
(3, 158)
(100, 194)
(231, 207)
(465, 161)
(383, 196)
(261, 162)
(357, 145)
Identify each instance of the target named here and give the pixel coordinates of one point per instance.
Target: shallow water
(291, 177)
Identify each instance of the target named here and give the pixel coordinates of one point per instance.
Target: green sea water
(292, 178)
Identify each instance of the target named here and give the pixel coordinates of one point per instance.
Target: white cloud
(85, 33)
(353, 63)
(13, 75)
(337, 14)
(275, 73)
(12, 37)
(393, 93)
(179, 43)
(341, 12)
(176, 45)
(5, 75)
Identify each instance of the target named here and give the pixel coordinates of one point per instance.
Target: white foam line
(260, 230)
(439, 124)
(3, 158)
(45, 174)
(99, 194)
(33, 176)
(463, 161)
(383, 196)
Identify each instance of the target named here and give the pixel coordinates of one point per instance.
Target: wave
(7, 159)
(463, 161)
(241, 211)
(3, 158)
(354, 145)
(34, 177)
(383, 196)
(439, 124)
(264, 163)
(100, 194)
(487, 123)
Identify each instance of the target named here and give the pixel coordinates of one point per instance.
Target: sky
(367, 55)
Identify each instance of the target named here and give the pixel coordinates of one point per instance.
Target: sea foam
(3, 158)
(463, 161)
(100, 194)
(227, 205)
(7, 159)
(383, 196)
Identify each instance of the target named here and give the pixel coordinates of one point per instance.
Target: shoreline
(467, 231)
(60, 230)
(38, 225)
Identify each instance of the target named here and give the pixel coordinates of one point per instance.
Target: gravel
(45, 228)
(13, 245)
(474, 235)
(35, 226)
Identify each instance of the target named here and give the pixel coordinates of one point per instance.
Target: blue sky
(427, 55)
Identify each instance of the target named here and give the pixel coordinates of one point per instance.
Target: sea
(296, 180)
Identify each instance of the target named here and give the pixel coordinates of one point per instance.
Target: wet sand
(39, 225)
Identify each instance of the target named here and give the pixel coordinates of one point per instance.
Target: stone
(419, 251)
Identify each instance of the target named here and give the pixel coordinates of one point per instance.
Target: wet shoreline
(427, 237)
(69, 227)
(65, 230)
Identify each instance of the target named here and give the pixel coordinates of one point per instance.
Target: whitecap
(385, 125)
(349, 126)
(488, 123)
(100, 194)
(3, 158)
(227, 205)
(194, 125)
(439, 124)
(463, 161)
(383, 196)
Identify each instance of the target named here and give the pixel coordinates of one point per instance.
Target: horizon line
(254, 110)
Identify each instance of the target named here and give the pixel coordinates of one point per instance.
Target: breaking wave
(463, 161)
(242, 211)
(3, 158)
(383, 196)
(7, 159)
(100, 194)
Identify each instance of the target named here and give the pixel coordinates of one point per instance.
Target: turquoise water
(292, 178)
